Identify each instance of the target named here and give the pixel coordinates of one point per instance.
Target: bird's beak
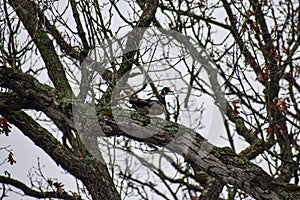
(171, 92)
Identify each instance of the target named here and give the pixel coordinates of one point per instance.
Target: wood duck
(149, 106)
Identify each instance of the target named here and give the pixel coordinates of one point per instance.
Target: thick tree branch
(268, 113)
(212, 190)
(40, 96)
(221, 163)
(91, 172)
(43, 98)
(13, 102)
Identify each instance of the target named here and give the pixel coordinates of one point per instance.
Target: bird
(150, 106)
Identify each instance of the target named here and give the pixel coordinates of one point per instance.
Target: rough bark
(93, 173)
(221, 163)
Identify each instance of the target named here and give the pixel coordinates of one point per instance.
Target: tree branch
(235, 33)
(33, 193)
(40, 96)
(221, 163)
(27, 12)
(133, 45)
(13, 102)
(93, 173)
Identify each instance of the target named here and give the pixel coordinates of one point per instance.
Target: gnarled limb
(93, 173)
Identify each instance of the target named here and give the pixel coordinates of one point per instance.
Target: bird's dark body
(149, 106)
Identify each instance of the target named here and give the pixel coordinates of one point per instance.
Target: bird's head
(165, 91)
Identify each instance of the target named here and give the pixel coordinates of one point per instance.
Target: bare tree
(78, 63)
